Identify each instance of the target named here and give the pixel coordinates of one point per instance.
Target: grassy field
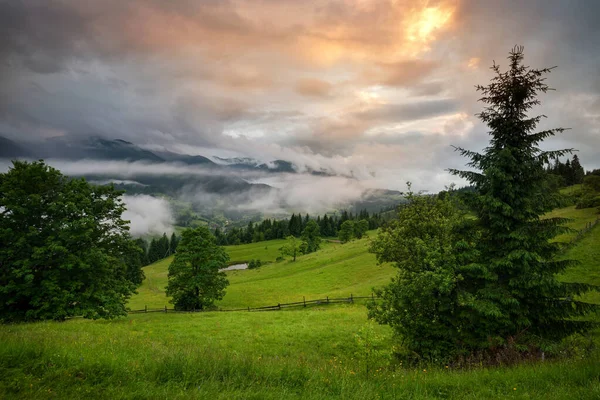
(336, 271)
(310, 353)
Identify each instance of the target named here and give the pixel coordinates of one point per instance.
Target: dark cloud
(410, 111)
(234, 75)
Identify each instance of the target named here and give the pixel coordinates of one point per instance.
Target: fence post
(279, 305)
(327, 299)
(146, 308)
(165, 309)
(248, 308)
(351, 299)
(304, 300)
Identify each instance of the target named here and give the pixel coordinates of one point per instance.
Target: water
(235, 267)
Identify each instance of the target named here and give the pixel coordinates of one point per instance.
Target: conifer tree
(513, 292)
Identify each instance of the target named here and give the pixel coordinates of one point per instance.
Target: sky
(376, 89)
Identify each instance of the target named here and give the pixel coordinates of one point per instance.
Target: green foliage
(311, 238)
(173, 243)
(360, 228)
(135, 259)
(291, 248)
(428, 243)
(590, 192)
(372, 352)
(254, 264)
(512, 286)
(346, 232)
(65, 249)
(195, 281)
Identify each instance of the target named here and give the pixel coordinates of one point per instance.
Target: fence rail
(588, 227)
(279, 306)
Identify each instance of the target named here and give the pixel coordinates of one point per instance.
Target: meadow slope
(311, 353)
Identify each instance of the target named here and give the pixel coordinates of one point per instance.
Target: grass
(336, 271)
(296, 354)
(304, 354)
(579, 219)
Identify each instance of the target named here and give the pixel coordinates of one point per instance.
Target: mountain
(11, 149)
(185, 158)
(98, 148)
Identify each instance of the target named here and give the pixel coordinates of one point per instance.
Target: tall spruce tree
(513, 292)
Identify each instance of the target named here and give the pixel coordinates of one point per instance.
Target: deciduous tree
(195, 281)
(63, 246)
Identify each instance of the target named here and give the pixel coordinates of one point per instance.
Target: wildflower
(514, 388)
(424, 370)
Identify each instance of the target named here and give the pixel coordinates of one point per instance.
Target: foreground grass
(307, 353)
(303, 354)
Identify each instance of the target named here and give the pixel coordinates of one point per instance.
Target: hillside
(309, 353)
(335, 270)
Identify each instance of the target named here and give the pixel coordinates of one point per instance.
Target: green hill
(320, 352)
(336, 270)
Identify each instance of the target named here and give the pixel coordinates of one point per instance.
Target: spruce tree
(513, 291)
(578, 172)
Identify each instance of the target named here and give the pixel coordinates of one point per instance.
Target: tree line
(568, 173)
(329, 226)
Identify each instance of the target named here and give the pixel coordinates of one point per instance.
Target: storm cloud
(376, 90)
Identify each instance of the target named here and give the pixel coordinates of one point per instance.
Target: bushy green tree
(360, 228)
(428, 243)
(63, 246)
(513, 290)
(195, 281)
(346, 232)
(291, 248)
(311, 237)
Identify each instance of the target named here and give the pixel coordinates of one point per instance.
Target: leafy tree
(428, 243)
(346, 232)
(195, 281)
(513, 291)
(360, 228)
(64, 246)
(291, 247)
(311, 237)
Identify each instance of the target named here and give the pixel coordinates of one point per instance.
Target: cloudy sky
(376, 88)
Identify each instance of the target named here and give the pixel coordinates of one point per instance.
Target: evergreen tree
(153, 251)
(578, 172)
(163, 247)
(173, 243)
(513, 291)
(143, 245)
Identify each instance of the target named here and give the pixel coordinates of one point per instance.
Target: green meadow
(320, 352)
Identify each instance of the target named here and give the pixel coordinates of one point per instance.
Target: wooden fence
(588, 227)
(280, 306)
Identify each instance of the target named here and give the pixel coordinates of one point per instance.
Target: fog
(148, 215)
(286, 192)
